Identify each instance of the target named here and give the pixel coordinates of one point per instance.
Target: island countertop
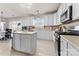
(24, 32)
(74, 40)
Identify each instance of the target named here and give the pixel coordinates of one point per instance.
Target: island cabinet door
(25, 43)
(16, 41)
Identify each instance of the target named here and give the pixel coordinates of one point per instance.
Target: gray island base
(24, 42)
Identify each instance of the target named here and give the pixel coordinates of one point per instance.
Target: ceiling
(15, 9)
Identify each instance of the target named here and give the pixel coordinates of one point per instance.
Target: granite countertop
(24, 32)
(74, 40)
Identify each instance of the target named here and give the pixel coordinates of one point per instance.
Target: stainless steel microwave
(67, 15)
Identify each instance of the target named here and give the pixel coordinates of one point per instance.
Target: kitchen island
(24, 41)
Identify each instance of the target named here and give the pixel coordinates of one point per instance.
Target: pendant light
(37, 16)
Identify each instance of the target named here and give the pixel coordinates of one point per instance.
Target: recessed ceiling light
(27, 5)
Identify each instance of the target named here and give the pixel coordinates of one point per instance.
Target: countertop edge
(27, 33)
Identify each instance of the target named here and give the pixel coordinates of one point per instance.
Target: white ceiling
(15, 9)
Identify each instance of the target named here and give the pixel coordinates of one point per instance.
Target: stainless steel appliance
(67, 15)
(74, 30)
(57, 44)
(24, 28)
(8, 33)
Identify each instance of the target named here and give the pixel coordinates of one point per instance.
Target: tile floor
(44, 48)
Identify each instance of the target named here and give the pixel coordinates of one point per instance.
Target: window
(38, 22)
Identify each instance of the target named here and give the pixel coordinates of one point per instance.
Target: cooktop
(68, 33)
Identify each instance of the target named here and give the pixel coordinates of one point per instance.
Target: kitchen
(39, 29)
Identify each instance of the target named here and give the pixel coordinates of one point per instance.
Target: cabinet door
(55, 19)
(59, 12)
(67, 5)
(68, 49)
(58, 17)
(63, 47)
(25, 43)
(72, 51)
(16, 41)
(63, 7)
(75, 10)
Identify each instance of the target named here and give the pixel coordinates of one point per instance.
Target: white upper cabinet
(60, 10)
(75, 11)
(48, 19)
(58, 15)
(55, 19)
(65, 6)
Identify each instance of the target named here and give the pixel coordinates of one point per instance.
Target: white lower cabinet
(45, 34)
(72, 51)
(63, 47)
(67, 49)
